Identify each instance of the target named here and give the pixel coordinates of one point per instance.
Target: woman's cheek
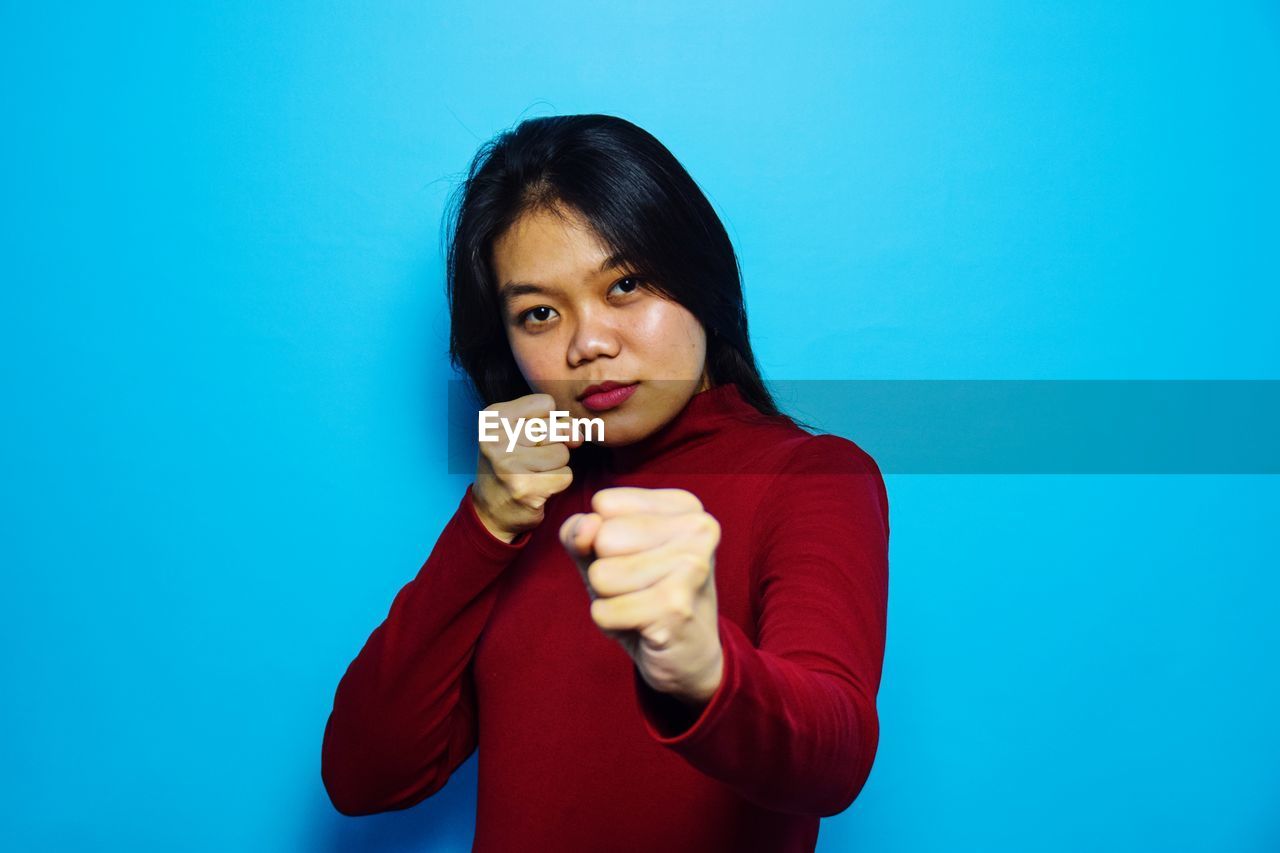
(530, 354)
(542, 361)
(682, 339)
(661, 327)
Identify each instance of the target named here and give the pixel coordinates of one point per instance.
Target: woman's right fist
(511, 488)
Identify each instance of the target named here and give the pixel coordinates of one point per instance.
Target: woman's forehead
(543, 247)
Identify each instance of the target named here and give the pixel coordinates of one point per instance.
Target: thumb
(578, 535)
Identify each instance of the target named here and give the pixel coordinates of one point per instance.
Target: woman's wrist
(495, 529)
(699, 693)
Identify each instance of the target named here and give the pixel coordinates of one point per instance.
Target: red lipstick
(606, 395)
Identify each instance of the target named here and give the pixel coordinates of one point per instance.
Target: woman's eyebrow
(514, 289)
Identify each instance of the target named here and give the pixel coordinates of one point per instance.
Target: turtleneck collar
(705, 414)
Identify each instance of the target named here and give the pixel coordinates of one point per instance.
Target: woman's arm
(404, 714)
(793, 725)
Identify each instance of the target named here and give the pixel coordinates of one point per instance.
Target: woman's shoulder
(791, 449)
(826, 453)
(828, 476)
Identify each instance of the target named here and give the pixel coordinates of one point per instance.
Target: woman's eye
(631, 282)
(536, 316)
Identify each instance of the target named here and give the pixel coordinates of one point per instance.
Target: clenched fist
(647, 557)
(511, 488)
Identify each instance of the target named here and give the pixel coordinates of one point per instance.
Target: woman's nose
(592, 338)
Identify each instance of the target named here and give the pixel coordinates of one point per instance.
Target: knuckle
(600, 613)
(685, 562)
(695, 567)
(601, 499)
(695, 505)
(598, 576)
(556, 485)
(606, 536)
(680, 603)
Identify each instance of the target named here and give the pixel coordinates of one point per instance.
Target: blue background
(223, 335)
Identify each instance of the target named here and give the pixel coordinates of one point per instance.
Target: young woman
(668, 639)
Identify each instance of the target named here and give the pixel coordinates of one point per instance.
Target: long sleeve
(793, 725)
(404, 714)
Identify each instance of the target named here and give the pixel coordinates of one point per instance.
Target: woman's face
(575, 319)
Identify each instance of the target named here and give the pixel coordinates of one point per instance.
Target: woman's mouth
(611, 396)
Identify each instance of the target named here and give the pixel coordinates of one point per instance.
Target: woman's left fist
(648, 559)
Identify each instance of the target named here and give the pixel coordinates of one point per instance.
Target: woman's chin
(621, 433)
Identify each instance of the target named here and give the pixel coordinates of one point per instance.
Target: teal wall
(222, 342)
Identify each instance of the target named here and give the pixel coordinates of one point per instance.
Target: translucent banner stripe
(1014, 426)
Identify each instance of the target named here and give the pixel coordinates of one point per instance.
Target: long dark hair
(641, 203)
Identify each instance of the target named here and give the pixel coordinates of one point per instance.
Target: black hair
(641, 203)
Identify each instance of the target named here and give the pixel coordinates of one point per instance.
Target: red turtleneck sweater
(492, 646)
